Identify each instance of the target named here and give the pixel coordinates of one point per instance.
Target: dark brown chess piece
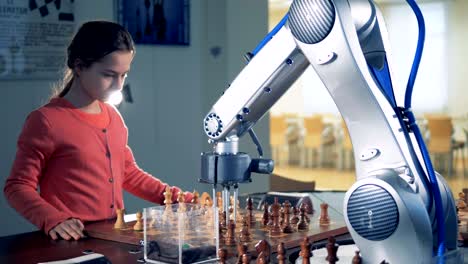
(324, 218)
(231, 233)
(250, 216)
(305, 250)
(222, 253)
(241, 250)
(222, 237)
(222, 221)
(332, 249)
(295, 218)
(270, 218)
(287, 228)
(261, 258)
(263, 246)
(281, 221)
(465, 190)
(308, 210)
(275, 229)
(245, 259)
(357, 258)
(302, 225)
(281, 253)
(266, 215)
(245, 235)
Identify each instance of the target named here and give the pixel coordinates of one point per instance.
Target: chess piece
(222, 221)
(275, 229)
(154, 219)
(181, 201)
(139, 223)
(357, 258)
(219, 200)
(245, 259)
(332, 249)
(195, 198)
(305, 250)
(281, 253)
(245, 235)
(261, 259)
(241, 250)
(281, 222)
(231, 207)
(302, 225)
(308, 211)
(221, 236)
(168, 196)
(324, 218)
(287, 228)
(270, 218)
(461, 204)
(120, 223)
(264, 247)
(231, 233)
(295, 218)
(205, 198)
(250, 215)
(222, 254)
(265, 214)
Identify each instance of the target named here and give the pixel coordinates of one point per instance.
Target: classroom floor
(333, 179)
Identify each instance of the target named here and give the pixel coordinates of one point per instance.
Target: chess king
(399, 210)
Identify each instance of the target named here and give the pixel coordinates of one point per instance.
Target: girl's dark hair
(93, 41)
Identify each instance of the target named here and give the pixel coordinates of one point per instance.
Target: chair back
(313, 126)
(441, 130)
(278, 129)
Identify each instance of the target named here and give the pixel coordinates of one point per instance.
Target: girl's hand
(68, 229)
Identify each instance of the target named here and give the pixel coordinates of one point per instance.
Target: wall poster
(34, 35)
(164, 22)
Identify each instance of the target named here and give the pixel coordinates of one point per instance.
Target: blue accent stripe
(384, 81)
(270, 35)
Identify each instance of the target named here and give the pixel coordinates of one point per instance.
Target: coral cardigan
(79, 165)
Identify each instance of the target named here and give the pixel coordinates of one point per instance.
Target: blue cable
(270, 35)
(418, 55)
(417, 133)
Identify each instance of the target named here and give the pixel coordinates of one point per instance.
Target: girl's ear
(78, 67)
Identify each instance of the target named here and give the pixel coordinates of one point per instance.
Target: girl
(75, 147)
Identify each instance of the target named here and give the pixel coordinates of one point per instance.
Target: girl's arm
(35, 147)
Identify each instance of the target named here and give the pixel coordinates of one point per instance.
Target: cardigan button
(108, 154)
(111, 206)
(111, 180)
(104, 130)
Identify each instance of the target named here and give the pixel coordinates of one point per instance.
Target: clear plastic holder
(181, 233)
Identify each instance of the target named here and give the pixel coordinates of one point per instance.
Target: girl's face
(105, 76)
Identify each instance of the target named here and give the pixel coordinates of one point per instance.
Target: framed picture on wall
(164, 22)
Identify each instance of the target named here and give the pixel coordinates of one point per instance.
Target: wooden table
(36, 247)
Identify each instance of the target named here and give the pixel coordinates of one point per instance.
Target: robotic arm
(390, 210)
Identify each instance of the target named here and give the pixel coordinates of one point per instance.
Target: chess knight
(399, 209)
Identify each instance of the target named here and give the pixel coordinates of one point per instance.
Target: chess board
(105, 230)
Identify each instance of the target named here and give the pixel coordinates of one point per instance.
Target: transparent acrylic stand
(181, 233)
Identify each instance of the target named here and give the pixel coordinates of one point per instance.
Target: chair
(440, 143)
(317, 142)
(278, 139)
